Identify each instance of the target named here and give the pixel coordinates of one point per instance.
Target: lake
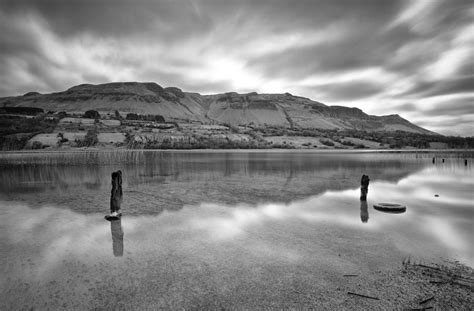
(219, 229)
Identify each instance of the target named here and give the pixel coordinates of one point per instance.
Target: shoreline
(255, 150)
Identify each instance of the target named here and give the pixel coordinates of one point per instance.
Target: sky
(408, 57)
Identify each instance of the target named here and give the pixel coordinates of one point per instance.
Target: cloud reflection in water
(327, 223)
(437, 223)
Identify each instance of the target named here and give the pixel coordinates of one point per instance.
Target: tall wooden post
(116, 193)
(364, 187)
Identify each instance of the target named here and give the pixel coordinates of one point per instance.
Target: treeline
(31, 111)
(143, 117)
(15, 132)
(196, 142)
(93, 114)
(394, 140)
(400, 139)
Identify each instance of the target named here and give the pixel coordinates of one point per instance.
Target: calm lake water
(217, 229)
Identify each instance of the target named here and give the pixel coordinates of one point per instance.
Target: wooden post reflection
(364, 212)
(117, 237)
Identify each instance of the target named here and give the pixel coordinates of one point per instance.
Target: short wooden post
(364, 187)
(434, 160)
(116, 193)
(443, 160)
(465, 162)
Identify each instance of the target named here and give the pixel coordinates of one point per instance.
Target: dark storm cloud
(347, 90)
(358, 42)
(449, 126)
(418, 49)
(116, 18)
(186, 84)
(450, 116)
(407, 107)
(371, 41)
(24, 63)
(443, 87)
(94, 78)
(360, 47)
(454, 108)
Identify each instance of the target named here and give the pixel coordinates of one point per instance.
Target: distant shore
(85, 149)
(204, 150)
(68, 132)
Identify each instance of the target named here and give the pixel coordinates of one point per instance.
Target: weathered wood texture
(116, 193)
(364, 187)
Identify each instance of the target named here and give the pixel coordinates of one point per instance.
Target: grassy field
(42, 131)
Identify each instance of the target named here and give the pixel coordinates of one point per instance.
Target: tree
(131, 116)
(90, 139)
(117, 115)
(62, 114)
(91, 114)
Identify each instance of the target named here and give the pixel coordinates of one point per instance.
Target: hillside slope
(283, 110)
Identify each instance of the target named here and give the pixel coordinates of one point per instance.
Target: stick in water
(426, 300)
(360, 295)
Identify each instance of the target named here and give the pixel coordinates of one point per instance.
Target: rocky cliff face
(258, 109)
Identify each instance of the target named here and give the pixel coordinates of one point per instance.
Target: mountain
(285, 110)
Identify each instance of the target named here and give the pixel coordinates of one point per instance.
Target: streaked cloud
(381, 56)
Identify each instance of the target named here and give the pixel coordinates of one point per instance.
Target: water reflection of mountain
(154, 181)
